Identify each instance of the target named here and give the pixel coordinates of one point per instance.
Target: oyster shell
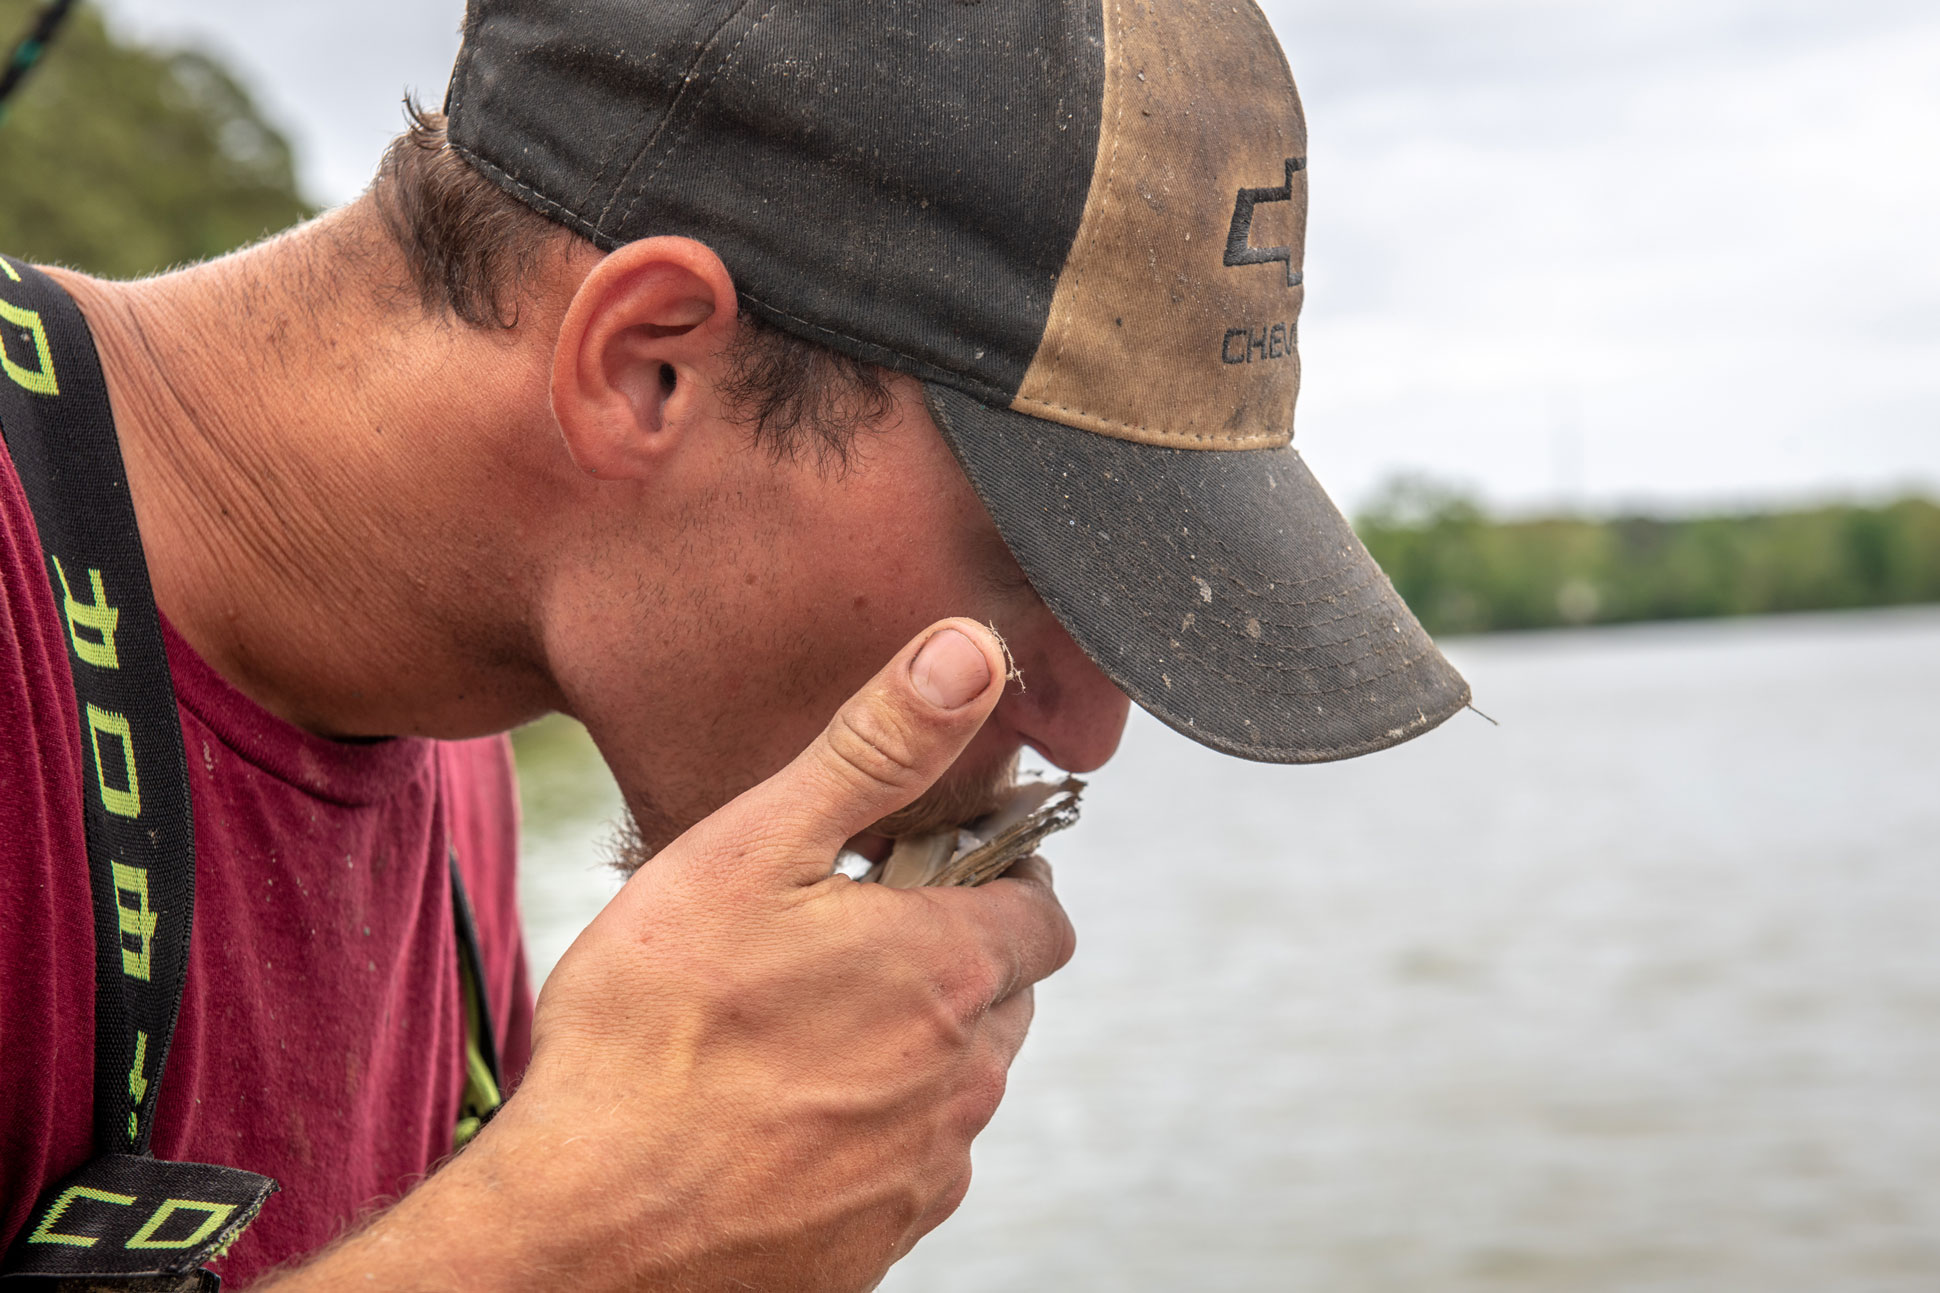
(979, 852)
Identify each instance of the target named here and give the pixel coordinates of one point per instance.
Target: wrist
(514, 1211)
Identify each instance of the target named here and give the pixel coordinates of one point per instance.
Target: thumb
(888, 744)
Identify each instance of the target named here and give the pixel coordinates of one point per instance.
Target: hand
(748, 1073)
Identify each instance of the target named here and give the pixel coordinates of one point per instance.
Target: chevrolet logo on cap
(1239, 248)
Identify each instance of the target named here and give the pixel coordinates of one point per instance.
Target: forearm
(614, 1206)
(461, 1229)
(503, 1215)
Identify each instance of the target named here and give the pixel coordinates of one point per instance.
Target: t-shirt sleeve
(484, 798)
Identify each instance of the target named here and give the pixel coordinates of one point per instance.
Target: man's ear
(645, 325)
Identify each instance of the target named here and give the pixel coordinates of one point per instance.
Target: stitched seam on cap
(1247, 590)
(1305, 648)
(548, 206)
(612, 153)
(1332, 598)
(673, 109)
(701, 96)
(1364, 613)
(1252, 438)
(1104, 201)
(946, 376)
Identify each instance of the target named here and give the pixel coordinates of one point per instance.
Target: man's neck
(323, 527)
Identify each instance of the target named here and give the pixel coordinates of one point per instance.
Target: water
(1639, 991)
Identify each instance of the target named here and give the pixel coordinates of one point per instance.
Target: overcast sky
(1670, 253)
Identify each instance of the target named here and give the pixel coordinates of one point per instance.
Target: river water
(1638, 991)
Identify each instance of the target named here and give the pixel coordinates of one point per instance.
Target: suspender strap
(141, 838)
(123, 1213)
(483, 1084)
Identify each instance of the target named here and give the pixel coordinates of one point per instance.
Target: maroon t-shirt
(322, 1029)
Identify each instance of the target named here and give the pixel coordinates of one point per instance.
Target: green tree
(121, 161)
(1463, 572)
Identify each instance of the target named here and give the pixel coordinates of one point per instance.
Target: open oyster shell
(981, 851)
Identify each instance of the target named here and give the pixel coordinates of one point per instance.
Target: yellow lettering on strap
(122, 803)
(96, 617)
(139, 921)
(40, 382)
(217, 1214)
(44, 1233)
(137, 1080)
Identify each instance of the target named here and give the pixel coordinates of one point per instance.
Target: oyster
(979, 852)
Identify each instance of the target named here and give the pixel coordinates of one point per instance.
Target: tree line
(1465, 572)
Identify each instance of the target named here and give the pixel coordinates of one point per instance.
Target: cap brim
(1222, 589)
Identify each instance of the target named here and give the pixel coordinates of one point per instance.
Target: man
(716, 356)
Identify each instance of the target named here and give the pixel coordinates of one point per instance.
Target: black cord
(28, 51)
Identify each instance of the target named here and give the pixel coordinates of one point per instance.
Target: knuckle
(979, 987)
(946, 1015)
(952, 1177)
(1037, 931)
(1024, 1004)
(983, 1093)
(873, 744)
(959, 1188)
(953, 963)
(993, 1079)
(949, 1027)
(1065, 935)
(970, 981)
(1056, 937)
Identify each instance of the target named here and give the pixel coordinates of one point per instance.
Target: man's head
(1065, 236)
(754, 515)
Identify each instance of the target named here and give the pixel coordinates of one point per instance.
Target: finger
(938, 1212)
(1008, 1022)
(886, 746)
(1034, 866)
(1018, 926)
(1000, 1035)
(1002, 1029)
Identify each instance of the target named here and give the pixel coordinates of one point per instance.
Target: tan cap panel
(1174, 321)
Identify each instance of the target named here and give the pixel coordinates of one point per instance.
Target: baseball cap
(1079, 223)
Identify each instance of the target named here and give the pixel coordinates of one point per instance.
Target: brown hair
(470, 248)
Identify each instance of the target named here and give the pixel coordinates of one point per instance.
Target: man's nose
(1067, 709)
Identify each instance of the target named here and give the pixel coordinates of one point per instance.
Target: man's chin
(628, 846)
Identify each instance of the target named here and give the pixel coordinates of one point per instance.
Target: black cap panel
(554, 101)
(1223, 591)
(899, 180)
